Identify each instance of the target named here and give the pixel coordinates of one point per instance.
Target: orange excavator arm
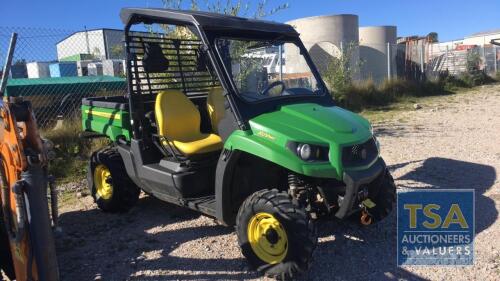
(28, 250)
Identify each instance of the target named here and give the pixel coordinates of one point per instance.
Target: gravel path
(452, 142)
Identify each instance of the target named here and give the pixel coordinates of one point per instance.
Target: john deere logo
(436, 227)
(266, 135)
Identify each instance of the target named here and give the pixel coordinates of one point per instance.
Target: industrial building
(98, 44)
(477, 39)
(453, 56)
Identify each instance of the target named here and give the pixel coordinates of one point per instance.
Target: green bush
(476, 78)
(452, 83)
(469, 79)
(340, 70)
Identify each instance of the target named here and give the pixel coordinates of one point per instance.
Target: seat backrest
(176, 116)
(215, 106)
(154, 61)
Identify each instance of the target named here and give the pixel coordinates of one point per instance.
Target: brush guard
(354, 180)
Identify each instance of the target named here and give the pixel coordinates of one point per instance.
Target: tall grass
(71, 151)
(365, 94)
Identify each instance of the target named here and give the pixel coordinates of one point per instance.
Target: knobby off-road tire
(292, 226)
(109, 183)
(383, 193)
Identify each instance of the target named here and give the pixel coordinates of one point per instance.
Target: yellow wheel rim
(267, 238)
(102, 182)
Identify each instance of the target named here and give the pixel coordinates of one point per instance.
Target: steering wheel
(265, 92)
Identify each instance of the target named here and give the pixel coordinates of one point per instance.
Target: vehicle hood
(312, 123)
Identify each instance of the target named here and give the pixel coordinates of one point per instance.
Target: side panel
(114, 123)
(160, 179)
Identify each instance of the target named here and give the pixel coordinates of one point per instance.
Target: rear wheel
(275, 235)
(109, 183)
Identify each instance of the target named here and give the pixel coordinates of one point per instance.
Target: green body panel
(304, 123)
(111, 122)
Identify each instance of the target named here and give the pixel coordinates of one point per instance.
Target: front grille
(359, 154)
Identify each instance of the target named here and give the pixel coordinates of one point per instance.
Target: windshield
(259, 70)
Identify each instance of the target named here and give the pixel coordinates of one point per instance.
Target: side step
(205, 204)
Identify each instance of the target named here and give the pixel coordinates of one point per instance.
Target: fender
(281, 156)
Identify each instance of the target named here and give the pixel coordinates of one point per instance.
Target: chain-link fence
(55, 69)
(415, 61)
(463, 58)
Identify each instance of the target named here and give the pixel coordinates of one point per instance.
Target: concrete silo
(373, 51)
(324, 37)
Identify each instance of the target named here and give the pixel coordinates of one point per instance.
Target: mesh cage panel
(186, 71)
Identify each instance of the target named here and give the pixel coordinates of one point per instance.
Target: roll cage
(208, 27)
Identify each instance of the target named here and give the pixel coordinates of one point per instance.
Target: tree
(228, 7)
(117, 52)
(433, 37)
(341, 69)
(20, 62)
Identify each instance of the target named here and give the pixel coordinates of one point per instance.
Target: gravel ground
(451, 142)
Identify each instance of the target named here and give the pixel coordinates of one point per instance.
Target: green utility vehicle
(205, 126)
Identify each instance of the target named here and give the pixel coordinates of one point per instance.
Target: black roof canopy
(206, 20)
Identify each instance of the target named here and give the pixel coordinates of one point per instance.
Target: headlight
(309, 152)
(304, 151)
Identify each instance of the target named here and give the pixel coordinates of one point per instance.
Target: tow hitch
(366, 217)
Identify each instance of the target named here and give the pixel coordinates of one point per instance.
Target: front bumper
(353, 180)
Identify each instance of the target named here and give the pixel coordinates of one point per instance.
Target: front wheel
(275, 235)
(382, 193)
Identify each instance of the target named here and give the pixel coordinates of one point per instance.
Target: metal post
(389, 61)
(447, 55)
(496, 58)
(280, 51)
(8, 62)
(485, 62)
(422, 50)
(87, 39)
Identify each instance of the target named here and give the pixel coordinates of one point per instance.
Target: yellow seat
(215, 106)
(178, 121)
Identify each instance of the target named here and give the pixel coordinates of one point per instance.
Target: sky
(450, 19)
